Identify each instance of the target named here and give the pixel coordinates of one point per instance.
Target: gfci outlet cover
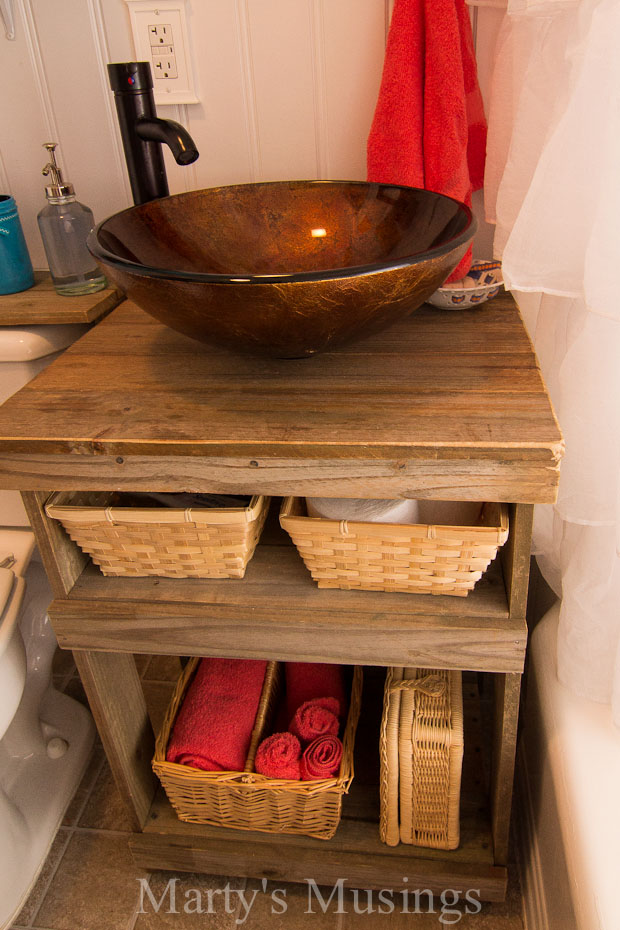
(161, 37)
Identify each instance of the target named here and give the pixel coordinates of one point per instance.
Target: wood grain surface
(447, 404)
(277, 611)
(41, 305)
(117, 702)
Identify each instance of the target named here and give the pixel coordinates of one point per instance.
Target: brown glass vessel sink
(284, 269)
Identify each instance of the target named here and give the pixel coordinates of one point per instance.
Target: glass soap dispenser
(64, 224)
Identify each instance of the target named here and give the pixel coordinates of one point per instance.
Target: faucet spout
(176, 137)
(143, 132)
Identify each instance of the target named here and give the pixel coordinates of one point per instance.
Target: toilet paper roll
(364, 511)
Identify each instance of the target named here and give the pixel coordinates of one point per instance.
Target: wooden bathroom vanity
(446, 405)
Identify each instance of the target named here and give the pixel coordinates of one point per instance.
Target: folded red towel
(429, 128)
(214, 725)
(308, 680)
(321, 758)
(278, 756)
(316, 718)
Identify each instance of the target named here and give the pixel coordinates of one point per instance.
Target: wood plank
(41, 305)
(118, 628)
(442, 474)
(301, 417)
(117, 703)
(474, 370)
(355, 853)
(364, 868)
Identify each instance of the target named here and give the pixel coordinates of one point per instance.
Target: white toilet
(45, 736)
(24, 352)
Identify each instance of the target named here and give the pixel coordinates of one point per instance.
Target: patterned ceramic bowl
(483, 281)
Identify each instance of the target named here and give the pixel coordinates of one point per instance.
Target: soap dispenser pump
(64, 224)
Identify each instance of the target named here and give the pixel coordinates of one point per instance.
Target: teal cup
(15, 266)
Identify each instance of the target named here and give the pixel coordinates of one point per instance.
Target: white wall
(287, 90)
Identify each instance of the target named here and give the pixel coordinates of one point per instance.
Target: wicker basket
(421, 753)
(170, 543)
(246, 800)
(419, 559)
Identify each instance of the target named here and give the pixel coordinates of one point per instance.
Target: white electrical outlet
(165, 68)
(163, 52)
(161, 37)
(160, 34)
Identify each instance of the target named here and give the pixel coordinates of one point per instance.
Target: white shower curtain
(553, 189)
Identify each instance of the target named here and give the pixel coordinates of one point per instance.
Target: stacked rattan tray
(198, 542)
(414, 558)
(421, 754)
(249, 801)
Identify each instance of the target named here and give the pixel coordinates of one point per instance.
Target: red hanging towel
(429, 128)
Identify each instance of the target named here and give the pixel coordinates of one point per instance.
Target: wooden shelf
(41, 305)
(277, 611)
(355, 853)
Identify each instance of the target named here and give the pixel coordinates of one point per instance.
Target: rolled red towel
(278, 756)
(308, 680)
(321, 758)
(316, 718)
(214, 725)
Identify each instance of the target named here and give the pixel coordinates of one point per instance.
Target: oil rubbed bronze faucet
(143, 132)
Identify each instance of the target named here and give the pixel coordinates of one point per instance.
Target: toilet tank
(23, 354)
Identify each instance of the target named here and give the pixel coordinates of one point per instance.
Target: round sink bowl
(284, 269)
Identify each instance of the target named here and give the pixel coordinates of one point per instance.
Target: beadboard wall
(287, 90)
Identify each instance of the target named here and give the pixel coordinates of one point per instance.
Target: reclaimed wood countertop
(446, 404)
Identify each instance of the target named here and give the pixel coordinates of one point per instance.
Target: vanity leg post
(515, 555)
(507, 688)
(63, 560)
(117, 703)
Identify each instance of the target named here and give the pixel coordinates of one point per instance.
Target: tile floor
(89, 880)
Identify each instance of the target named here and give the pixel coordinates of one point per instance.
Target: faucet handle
(130, 77)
